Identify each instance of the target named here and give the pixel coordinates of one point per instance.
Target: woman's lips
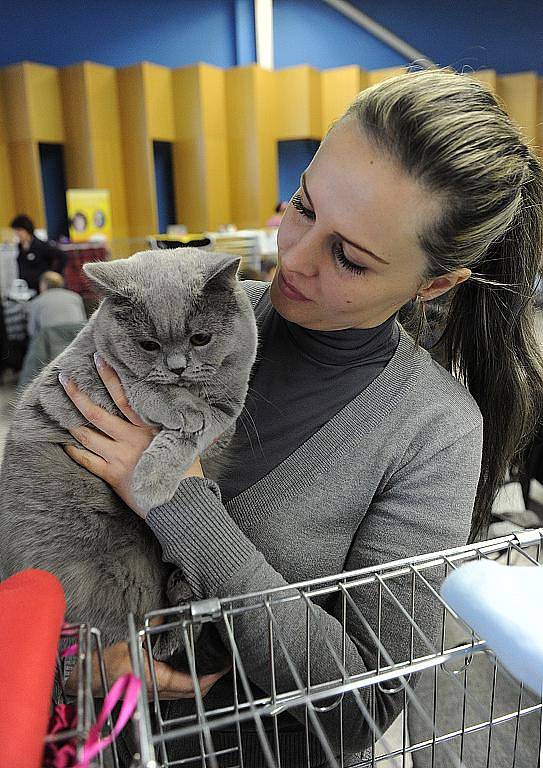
(289, 291)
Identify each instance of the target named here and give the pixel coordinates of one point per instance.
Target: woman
(368, 450)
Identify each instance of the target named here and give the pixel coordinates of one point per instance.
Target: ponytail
(449, 132)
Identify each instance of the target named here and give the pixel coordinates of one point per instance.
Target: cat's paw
(153, 482)
(194, 422)
(177, 589)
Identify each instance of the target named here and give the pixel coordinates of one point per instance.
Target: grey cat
(179, 330)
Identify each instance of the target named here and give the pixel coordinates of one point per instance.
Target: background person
(275, 220)
(55, 305)
(35, 256)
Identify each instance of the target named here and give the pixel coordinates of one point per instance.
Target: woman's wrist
(198, 535)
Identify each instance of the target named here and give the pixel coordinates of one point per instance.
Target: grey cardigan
(394, 474)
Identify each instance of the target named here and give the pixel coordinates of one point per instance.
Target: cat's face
(170, 317)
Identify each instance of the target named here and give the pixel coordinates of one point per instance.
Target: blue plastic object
(504, 606)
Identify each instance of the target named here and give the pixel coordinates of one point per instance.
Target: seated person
(35, 256)
(55, 305)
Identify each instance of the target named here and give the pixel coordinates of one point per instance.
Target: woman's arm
(414, 514)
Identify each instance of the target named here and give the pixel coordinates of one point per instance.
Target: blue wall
(310, 32)
(505, 35)
(119, 32)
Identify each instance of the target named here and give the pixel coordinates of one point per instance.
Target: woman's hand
(171, 683)
(112, 452)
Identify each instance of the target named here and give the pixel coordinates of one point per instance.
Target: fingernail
(63, 379)
(99, 361)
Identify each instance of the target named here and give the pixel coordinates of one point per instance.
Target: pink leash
(128, 686)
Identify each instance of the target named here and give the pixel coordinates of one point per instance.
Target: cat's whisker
(252, 423)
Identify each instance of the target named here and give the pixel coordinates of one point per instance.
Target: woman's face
(348, 251)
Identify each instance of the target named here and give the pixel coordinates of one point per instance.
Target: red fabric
(32, 609)
(74, 277)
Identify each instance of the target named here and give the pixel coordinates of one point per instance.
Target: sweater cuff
(198, 535)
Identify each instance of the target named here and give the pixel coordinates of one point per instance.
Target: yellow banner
(89, 214)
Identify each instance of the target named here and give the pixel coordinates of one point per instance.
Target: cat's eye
(149, 345)
(200, 339)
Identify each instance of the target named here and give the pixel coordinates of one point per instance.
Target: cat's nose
(176, 362)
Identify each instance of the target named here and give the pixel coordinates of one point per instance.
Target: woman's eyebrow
(355, 245)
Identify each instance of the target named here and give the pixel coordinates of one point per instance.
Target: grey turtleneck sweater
(301, 379)
(391, 474)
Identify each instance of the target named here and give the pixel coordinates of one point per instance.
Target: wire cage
(81, 644)
(452, 701)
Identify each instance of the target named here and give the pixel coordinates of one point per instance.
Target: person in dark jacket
(35, 256)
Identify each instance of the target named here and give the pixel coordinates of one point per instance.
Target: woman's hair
(449, 132)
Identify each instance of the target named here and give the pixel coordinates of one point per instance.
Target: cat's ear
(221, 273)
(111, 276)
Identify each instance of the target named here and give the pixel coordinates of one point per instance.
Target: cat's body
(57, 516)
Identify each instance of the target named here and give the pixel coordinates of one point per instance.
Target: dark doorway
(54, 189)
(165, 196)
(293, 158)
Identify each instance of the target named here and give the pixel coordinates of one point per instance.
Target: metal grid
(89, 644)
(486, 730)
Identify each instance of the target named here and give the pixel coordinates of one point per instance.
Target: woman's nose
(303, 255)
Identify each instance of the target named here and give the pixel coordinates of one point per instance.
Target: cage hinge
(210, 608)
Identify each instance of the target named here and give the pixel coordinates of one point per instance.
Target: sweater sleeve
(414, 513)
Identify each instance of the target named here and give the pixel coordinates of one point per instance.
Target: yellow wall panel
(78, 158)
(190, 197)
(7, 200)
(378, 75)
(539, 145)
(201, 150)
(137, 152)
(252, 144)
(519, 93)
(106, 140)
(26, 175)
(45, 103)
(14, 83)
(298, 95)
(487, 77)
(218, 187)
(339, 88)
(158, 93)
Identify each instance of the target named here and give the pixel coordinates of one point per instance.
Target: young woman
(368, 450)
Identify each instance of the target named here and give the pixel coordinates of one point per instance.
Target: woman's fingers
(88, 460)
(173, 684)
(111, 425)
(113, 385)
(94, 441)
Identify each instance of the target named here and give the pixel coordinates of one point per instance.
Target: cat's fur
(57, 516)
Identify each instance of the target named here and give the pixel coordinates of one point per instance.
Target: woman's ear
(437, 286)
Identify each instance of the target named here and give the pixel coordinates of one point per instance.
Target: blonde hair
(52, 280)
(449, 132)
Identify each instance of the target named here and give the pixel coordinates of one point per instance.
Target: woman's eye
(149, 345)
(343, 261)
(300, 207)
(200, 339)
